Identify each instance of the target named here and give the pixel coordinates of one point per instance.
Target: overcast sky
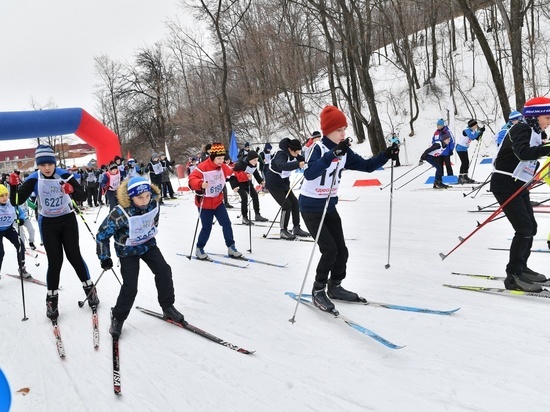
(47, 47)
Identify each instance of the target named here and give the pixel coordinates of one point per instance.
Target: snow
(484, 357)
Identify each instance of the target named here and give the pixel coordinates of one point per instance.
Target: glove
(392, 152)
(20, 222)
(67, 188)
(300, 158)
(341, 148)
(106, 264)
(481, 129)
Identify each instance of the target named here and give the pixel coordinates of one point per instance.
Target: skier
(133, 225)
(515, 164)
(513, 118)
(472, 132)
(432, 154)
(241, 182)
(321, 179)
(208, 180)
(284, 162)
(54, 188)
(110, 183)
(8, 217)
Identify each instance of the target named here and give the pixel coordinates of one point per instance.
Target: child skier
(133, 225)
(321, 179)
(433, 156)
(472, 132)
(7, 218)
(241, 182)
(54, 188)
(110, 183)
(208, 181)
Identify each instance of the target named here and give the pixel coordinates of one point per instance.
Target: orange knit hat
(332, 119)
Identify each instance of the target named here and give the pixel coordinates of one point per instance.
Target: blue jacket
(116, 225)
(317, 164)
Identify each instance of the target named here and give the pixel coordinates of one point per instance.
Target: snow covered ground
(488, 356)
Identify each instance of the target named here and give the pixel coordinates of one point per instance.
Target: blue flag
(233, 148)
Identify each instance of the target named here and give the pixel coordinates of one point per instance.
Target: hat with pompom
(537, 106)
(440, 122)
(515, 115)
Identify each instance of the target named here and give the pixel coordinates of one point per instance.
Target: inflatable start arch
(55, 122)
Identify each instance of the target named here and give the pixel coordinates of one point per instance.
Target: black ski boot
(51, 306)
(297, 231)
(23, 272)
(285, 234)
(336, 291)
(515, 281)
(247, 222)
(170, 312)
(320, 298)
(91, 294)
(260, 218)
(533, 276)
(116, 326)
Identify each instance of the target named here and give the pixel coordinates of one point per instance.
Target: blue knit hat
(440, 122)
(515, 115)
(138, 185)
(44, 154)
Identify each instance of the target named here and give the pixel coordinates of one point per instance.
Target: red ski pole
(528, 185)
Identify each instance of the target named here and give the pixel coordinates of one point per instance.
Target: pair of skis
(306, 300)
(59, 341)
(545, 294)
(225, 263)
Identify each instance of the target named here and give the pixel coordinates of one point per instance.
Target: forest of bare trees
(266, 68)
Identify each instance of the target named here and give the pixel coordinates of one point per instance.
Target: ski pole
(406, 173)
(476, 154)
(98, 210)
(82, 302)
(21, 257)
(79, 212)
(196, 227)
(478, 187)
(293, 319)
(280, 208)
(528, 185)
(418, 175)
(250, 216)
(387, 266)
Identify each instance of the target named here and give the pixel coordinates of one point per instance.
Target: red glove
(67, 188)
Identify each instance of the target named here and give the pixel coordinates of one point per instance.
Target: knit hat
(207, 147)
(3, 190)
(268, 146)
(131, 160)
(515, 115)
(332, 119)
(294, 144)
(472, 122)
(537, 106)
(217, 150)
(44, 154)
(154, 156)
(316, 134)
(113, 165)
(246, 144)
(251, 155)
(440, 122)
(138, 185)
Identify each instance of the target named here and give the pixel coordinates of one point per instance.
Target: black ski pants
(289, 205)
(129, 269)
(334, 252)
(12, 235)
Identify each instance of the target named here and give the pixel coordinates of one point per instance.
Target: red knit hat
(537, 106)
(332, 119)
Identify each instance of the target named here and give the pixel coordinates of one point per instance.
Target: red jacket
(213, 194)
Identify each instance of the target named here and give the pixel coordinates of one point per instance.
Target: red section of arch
(104, 140)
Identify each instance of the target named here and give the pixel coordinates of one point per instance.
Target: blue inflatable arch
(55, 122)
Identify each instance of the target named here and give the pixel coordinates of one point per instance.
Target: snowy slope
(479, 359)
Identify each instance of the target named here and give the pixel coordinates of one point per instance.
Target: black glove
(300, 158)
(392, 152)
(341, 148)
(107, 264)
(481, 129)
